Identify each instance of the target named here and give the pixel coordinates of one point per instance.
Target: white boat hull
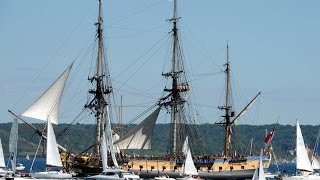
(311, 177)
(51, 175)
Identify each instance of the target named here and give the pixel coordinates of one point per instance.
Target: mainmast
(176, 100)
(228, 113)
(99, 103)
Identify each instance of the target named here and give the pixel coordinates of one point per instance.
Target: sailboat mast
(98, 104)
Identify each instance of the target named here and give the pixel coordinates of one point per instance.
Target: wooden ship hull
(218, 168)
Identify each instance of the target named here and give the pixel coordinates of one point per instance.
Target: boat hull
(222, 168)
(51, 175)
(310, 177)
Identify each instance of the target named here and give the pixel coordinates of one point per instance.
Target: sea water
(38, 165)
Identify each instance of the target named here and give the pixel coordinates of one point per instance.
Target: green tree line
(209, 140)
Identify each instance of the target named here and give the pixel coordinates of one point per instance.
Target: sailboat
(189, 171)
(175, 102)
(304, 168)
(53, 159)
(46, 108)
(4, 171)
(259, 172)
(27, 157)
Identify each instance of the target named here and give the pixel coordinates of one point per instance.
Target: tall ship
(228, 165)
(175, 102)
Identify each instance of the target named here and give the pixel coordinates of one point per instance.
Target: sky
(273, 48)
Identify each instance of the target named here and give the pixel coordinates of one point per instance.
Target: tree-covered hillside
(209, 139)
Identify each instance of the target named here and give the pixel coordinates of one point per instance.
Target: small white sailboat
(303, 164)
(259, 172)
(52, 160)
(189, 171)
(27, 157)
(46, 108)
(3, 169)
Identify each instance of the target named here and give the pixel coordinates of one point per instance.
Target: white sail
(109, 139)
(303, 162)
(259, 172)
(185, 146)
(47, 105)
(2, 163)
(256, 174)
(13, 142)
(104, 152)
(140, 136)
(53, 156)
(189, 168)
(315, 163)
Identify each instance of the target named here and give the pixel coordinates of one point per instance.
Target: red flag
(268, 138)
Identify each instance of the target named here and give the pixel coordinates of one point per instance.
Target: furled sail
(140, 136)
(303, 162)
(47, 105)
(104, 152)
(13, 141)
(53, 156)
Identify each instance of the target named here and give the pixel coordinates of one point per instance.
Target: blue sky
(273, 44)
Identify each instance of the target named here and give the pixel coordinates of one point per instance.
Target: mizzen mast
(174, 99)
(99, 102)
(228, 113)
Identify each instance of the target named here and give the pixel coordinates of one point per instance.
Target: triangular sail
(185, 146)
(47, 105)
(140, 136)
(256, 174)
(2, 163)
(13, 141)
(53, 156)
(315, 163)
(303, 162)
(259, 172)
(189, 168)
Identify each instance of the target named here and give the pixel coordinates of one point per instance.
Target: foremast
(98, 105)
(175, 99)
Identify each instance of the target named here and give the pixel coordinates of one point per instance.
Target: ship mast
(228, 113)
(176, 101)
(99, 103)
